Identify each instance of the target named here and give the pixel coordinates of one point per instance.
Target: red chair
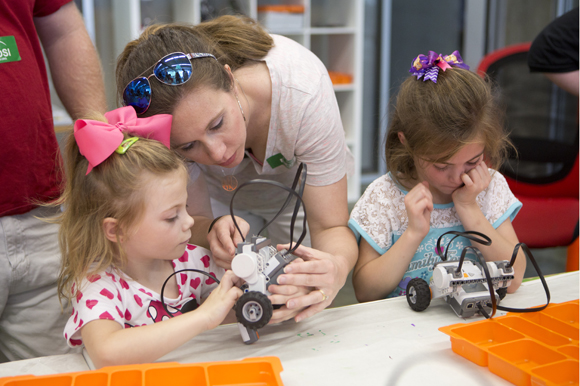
(543, 124)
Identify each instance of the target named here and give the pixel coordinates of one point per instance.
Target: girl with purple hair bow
(444, 132)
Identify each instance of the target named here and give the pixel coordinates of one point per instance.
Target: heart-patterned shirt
(112, 295)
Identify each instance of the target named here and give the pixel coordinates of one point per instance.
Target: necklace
(229, 181)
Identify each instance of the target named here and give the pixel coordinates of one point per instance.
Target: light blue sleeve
(511, 213)
(359, 232)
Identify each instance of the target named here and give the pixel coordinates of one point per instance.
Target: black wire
(175, 273)
(301, 168)
(487, 278)
(291, 191)
(485, 240)
(529, 255)
(471, 235)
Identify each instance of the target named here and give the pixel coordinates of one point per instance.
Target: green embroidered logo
(279, 160)
(8, 49)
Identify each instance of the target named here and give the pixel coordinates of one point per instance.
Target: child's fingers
(228, 280)
(234, 294)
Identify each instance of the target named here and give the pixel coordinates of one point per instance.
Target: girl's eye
(172, 219)
(441, 168)
(218, 125)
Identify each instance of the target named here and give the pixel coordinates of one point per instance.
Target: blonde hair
(115, 188)
(438, 119)
(233, 40)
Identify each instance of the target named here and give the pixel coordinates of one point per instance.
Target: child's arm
(108, 343)
(375, 276)
(504, 238)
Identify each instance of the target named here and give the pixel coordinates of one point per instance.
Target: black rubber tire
(254, 310)
(418, 294)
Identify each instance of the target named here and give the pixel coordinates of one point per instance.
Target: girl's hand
(224, 237)
(221, 300)
(320, 277)
(419, 205)
(475, 181)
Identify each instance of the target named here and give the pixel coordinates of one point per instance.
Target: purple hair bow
(428, 66)
(98, 140)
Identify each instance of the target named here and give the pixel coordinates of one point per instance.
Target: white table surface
(376, 343)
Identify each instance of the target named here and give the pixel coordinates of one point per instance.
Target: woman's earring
(239, 104)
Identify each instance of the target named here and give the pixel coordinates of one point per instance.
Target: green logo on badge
(8, 49)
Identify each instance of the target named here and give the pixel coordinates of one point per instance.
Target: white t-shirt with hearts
(111, 295)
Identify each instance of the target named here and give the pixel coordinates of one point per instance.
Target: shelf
(332, 30)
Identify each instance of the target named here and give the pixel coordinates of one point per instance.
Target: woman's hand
(224, 237)
(280, 296)
(319, 275)
(475, 181)
(419, 205)
(221, 300)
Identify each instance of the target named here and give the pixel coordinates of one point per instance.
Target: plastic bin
(538, 348)
(260, 371)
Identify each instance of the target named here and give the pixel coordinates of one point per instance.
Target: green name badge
(279, 160)
(8, 49)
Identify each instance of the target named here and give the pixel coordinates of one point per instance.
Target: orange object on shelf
(535, 348)
(250, 371)
(289, 8)
(340, 77)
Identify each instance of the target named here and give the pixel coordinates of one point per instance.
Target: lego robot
(469, 287)
(259, 264)
(465, 291)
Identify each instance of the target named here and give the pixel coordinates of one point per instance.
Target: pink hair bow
(98, 140)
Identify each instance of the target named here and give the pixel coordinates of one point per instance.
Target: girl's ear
(401, 137)
(110, 226)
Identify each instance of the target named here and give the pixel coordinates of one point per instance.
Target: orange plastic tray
(537, 348)
(259, 371)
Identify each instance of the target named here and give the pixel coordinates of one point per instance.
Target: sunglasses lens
(138, 94)
(174, 69)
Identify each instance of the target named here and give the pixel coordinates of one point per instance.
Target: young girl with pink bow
(124, 238)
(445, 129)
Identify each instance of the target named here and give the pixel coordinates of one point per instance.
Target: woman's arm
(333, 254)
(108, 343)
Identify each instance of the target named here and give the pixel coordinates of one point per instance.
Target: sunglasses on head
(174, 69)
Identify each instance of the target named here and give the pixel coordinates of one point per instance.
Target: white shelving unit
(332, 29)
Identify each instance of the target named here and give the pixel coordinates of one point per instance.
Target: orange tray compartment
(259, 371)
(537, 348)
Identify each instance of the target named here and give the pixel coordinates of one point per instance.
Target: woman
(249, 105)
